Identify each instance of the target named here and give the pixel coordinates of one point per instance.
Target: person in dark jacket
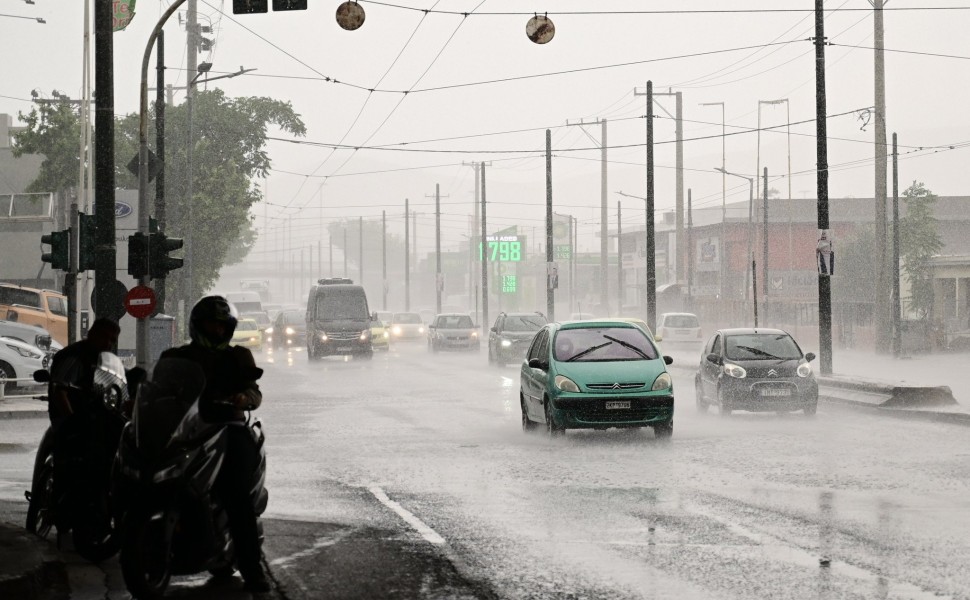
(72, 371)
(230, 390)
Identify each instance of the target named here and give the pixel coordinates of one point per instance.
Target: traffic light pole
(141, 333)
(104, 197)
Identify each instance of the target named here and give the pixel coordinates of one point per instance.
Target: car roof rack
(334, 280)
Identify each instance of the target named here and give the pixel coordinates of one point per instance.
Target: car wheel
(723, 406)
(553, 429)
(664, 431)
(528, 425)
(699, 398)
(810, 410)
(7, 372)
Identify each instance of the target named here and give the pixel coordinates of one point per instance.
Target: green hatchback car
(595, 375)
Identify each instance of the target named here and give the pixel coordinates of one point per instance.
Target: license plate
(344, 349)
(776, 392)
(617, 405)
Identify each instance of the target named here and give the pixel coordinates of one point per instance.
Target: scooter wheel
(145, 556)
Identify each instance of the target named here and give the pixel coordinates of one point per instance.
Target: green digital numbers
(502, 251)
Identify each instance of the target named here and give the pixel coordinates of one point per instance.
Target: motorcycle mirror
(42, 376)
(251, 373)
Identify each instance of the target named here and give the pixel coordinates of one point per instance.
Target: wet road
(421, 457)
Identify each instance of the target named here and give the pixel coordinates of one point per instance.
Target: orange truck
(44, 308)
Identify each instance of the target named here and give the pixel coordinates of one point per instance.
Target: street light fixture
(750, 215)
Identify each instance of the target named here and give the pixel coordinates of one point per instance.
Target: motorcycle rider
(228, 393)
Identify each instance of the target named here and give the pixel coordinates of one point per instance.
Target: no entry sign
(140, 301)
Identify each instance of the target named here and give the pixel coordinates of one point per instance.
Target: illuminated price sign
(505, 248)
(509, 284)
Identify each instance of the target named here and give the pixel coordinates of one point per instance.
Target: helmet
(212, 308)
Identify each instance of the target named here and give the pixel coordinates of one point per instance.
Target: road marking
(321, 542)
(426, 532)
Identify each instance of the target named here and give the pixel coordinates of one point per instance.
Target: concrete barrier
(883, 394)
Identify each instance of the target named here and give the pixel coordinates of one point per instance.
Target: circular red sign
(140, 301)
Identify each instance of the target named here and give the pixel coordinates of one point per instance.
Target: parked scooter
(78, 500)
(166, 469)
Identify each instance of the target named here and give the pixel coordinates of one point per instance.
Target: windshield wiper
(587, 351)
(759, 352)
(628, 345)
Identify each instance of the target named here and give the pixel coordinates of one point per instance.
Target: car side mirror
(493, 329)
(714, 358)
(668, 360)
(42, 376)
(535, 363)
(810, 356)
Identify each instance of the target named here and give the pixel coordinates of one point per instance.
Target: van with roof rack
(44, 308)
(338, 320)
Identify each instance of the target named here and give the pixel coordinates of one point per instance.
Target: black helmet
(212, 308)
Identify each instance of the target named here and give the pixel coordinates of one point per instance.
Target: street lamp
(750, 215)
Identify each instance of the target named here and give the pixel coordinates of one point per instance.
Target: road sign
(116, 309)
(140, 301)
(154, 166)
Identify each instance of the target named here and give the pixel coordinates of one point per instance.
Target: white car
(29, 334)
(407, 326)
(679, 328)
(19, 361)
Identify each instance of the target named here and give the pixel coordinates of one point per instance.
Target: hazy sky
(399, 49)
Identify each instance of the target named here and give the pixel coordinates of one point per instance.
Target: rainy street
(409, 476)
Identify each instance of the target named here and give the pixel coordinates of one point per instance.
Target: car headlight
(736, 371)
(386, 335)
(323, 337)
(364, 335)
(475, 334)
(804, 370)
(25, 353)
(420, 329)
(269, 330)
(396, 330)
(662, 382)
(565, 384)
(290, 331)
(506, 343)
(252, 339)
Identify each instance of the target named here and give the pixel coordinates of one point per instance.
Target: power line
(714, 11)
(915, 52)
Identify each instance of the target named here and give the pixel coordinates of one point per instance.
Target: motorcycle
(166, 469)
(74, 495)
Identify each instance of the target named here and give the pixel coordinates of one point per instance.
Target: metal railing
(3, 388)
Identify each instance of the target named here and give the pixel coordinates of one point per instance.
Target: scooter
(165, 473)
(78, 500)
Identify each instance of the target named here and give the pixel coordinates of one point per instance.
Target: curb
(22, 414)
(45, 575)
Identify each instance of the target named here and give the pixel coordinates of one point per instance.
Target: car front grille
(343, 336)
(615, 386)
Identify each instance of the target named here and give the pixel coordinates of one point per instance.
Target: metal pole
(104, 159)
(619, 258)
(360, 249)
(750, 255)
(384, 259)
(604, 238)
(679, 216)
(484, 255)
(330, 257)
(883, 323)
(896, 308)
(160, 151)
(438, 281)
(550, 256)
(690, 251)
(764, 245)
(192, 55)
(651, 244)
(407, 258)
(345, 250)
(822, 164)
(70, 280)
(754, 283)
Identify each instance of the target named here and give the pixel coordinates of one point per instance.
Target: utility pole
(484, 255)
(345, 250)
(384, 259)
(104, 199)
(883, 323)
(360, 249)
(407, 259)
(897, 333)
(330, 256)
(604, 216)
(764, 244)
(619, 258)
(690, 252)
(160, 213)
(550, 255)
(822, 166)
(651, 243)
(192, 67)
(438, 281)
(678, 118)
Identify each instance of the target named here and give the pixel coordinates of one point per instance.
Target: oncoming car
(407, 326)
(248, 335)
(596, 375)
(755, 370)
(679, 328)
(453, 331)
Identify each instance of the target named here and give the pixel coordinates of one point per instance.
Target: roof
(751, 330)
(596, 323)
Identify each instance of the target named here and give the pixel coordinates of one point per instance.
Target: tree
(229, 152)
(919, 241)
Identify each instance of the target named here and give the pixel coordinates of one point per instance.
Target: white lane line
(426, 532)
(321, 542)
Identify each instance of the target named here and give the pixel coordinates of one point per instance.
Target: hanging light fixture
(350, 15)
(540, 30)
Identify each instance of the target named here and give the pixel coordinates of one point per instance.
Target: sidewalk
(23, 408)
(30, 567)
(949, 369)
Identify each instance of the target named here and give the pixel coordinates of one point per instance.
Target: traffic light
(289, 4)
(60, 255)
(85, 243)
(138, 255)
(247, 7)
(159, 262)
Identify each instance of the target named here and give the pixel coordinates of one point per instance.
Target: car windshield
(524, 323)
(455, 322)
(407, 318)
(294, 317)
(761, 346)
(260, 318)
(681, 321)
(603, 344)
(247, 325)
(338, 304)
(9, 295)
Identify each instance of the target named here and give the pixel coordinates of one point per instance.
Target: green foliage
(228, 153)
(856, 268)
(919, 241)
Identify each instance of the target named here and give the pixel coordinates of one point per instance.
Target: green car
(596, 375)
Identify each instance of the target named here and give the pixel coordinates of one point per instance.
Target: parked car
(453, 331)
(755, 370)
(19, 360)
(44, 308)
(679, 328)
(288, 330)
(407, 326)
(509, 338)
(596, 375)
(248, 335)
(29, 334)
